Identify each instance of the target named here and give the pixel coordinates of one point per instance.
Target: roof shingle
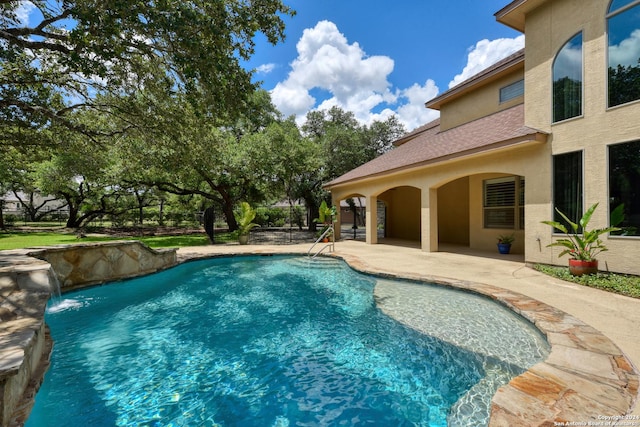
(429, 145)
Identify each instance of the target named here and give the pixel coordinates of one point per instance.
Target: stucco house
(12, 204)
(554, 125)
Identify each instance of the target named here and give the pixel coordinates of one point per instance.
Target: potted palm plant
(326, 215)
(245, 222)
(504, 243)
(582, 244)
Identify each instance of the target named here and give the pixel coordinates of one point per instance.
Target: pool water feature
(256, 341)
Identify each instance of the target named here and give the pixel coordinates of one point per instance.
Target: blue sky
(380, 57)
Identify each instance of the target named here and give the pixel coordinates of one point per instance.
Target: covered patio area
(463, 186)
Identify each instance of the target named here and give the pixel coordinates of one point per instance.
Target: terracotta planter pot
(578, 267)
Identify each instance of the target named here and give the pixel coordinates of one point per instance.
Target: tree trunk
(227, 210)
(314, 212)
(73, 221)
(161, 213)
(140, 200)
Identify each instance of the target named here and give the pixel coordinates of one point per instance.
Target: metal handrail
(322, 249)
(322, 236)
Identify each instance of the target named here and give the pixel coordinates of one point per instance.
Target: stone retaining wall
(27, 280)
(89, 264)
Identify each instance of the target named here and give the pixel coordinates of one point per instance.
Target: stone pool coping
(586, 377)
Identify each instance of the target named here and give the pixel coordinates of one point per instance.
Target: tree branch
(57, 116)
(172, 188)
(33, 45)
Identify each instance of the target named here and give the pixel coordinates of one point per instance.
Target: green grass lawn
(19, 240)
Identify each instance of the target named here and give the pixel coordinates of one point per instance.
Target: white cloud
(413, 113)
(265, 68)
(291, 98)
(356, 82)
(486, 53)
(627, 52)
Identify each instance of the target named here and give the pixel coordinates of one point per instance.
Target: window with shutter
(512, 91)
(504, 203)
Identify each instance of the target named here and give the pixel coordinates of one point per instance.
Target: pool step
(319, 262)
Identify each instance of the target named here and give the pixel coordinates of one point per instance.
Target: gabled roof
(429, 146)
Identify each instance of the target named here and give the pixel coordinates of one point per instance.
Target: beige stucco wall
(453, 212)
(548, 28)
(483, 102)
(438, 185)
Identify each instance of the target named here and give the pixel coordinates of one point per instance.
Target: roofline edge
(537, 137)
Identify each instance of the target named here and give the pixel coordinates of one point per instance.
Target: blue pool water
(245, 341)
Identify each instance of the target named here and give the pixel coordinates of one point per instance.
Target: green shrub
(613, 282)
(10, 219)
(271, 216)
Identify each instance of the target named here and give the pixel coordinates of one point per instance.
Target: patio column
(429, 220)
(372, 220)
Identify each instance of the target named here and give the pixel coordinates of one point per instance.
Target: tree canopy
(111, 105)
(342, 144)
(79, 48)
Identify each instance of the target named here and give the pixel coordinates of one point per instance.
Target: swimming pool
(264, 341)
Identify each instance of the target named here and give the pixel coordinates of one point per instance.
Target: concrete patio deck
(498, 276)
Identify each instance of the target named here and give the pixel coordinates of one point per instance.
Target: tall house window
(624, 184)
(567, 80)
(623, 22)
(567, 186)
(504, 203)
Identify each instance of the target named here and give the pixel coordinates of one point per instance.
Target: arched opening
(352, 217)
(402, 213)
